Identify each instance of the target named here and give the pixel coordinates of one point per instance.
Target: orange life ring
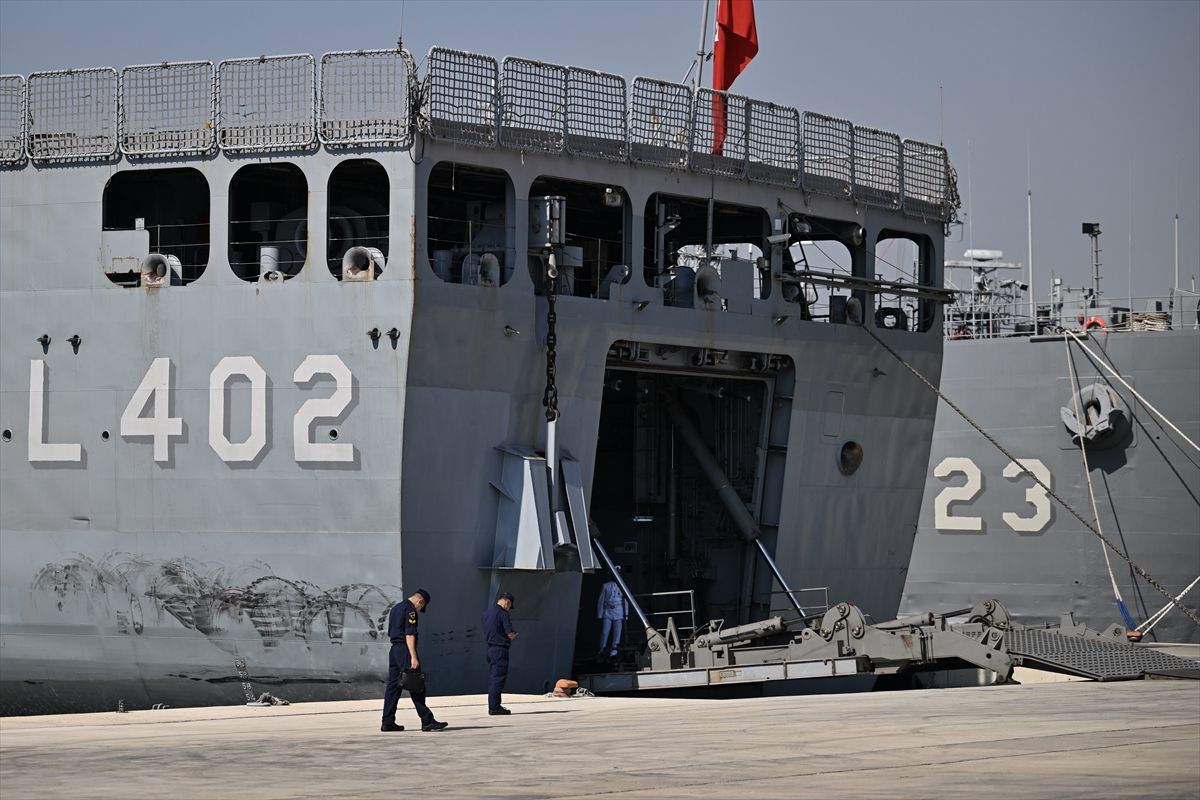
(1094, 322)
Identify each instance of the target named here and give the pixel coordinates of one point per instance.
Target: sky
(1093, 106)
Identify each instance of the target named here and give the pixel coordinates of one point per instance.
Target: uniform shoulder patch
(412, 618)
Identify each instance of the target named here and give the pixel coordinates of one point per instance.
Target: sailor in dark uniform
(497, 627)
(402, 630)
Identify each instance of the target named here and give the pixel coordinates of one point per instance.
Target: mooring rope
(1141, 572)
(1081, 419)
(1157, 616)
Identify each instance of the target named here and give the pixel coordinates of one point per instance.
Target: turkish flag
(736, 43)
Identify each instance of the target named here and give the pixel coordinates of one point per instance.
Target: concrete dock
(1056, 740)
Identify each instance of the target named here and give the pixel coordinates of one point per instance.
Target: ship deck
(1068, 739)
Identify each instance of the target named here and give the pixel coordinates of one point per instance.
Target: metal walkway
(1093, 657)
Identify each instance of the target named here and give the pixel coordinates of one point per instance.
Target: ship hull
(1146, 486)
(218, 483)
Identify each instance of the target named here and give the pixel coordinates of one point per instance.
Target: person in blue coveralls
(402, 630)
(497, 627)
(612, 611)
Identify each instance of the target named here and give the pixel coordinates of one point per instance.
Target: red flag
(736, 43)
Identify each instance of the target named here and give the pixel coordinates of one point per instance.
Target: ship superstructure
(275, 344)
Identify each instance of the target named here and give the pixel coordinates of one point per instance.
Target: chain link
(550, 398)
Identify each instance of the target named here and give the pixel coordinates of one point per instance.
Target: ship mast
(701, 53)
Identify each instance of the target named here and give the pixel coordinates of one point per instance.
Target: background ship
(1017, 372)
(276, 349)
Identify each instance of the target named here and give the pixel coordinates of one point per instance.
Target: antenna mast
(1029, 223)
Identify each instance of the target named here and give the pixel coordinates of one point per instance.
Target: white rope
(1133, 391)
(1087, 471)
(1162, 612)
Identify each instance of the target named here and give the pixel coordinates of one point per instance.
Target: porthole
(104, 436)
(333, 434)
(850, 456)
(7, 435)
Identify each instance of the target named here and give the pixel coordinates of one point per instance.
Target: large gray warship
(287, 338)
(1101, 396)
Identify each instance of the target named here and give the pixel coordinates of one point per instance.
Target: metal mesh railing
(366, 98)
(596, 114)
(168, 109)
(266, 103)
(371, 98)
(719, 134)
(926, 176)
(774, 144)
(72, 114)
(828, 155)
(660, 123)
(459, 97)
(533, 105)
(876, 167)
(12, 119)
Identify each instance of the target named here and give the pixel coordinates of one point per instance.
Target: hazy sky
(1107, 95)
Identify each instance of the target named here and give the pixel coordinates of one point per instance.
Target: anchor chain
(550, 397)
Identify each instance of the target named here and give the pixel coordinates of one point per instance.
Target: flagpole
(700, 51)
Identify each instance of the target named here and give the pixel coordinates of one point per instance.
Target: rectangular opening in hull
(658, 512)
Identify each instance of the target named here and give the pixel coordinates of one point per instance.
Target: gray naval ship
(286, 339)
(1102, 398)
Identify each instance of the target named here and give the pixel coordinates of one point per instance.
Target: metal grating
(72, 114)
(12, 119)
(1090, 656)
(719, 134)
(926, 175)
(533, 105)
(774, 144)
(828, 155)
(366, 97)
(876, 168)
(660, 123)
(168, 109)
(596, 114)
(266, 103)
(459, 97)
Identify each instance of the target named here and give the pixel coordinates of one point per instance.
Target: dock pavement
(1055, 740)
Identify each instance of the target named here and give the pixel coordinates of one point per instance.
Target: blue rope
(1129, 623)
